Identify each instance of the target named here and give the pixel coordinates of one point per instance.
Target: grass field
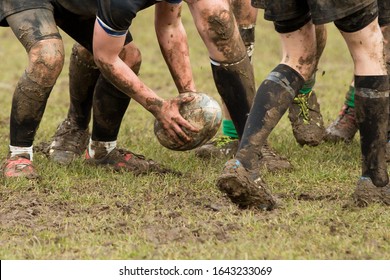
(81, 212)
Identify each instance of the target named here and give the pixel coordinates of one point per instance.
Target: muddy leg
(235, 84)
(83, 75)
(37, 32)
(109, 107)
(28, 105)
(110, 104)
(372, 111)
(386, 35)
(273, 98)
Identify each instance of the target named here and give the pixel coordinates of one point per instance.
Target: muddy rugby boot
(344, 127)
(366, 192)
(69, 142)
(306, 119)
(219, 147)
(19, 166)
(225, 147)
(244, 188)
(271, 161)
(123, 160)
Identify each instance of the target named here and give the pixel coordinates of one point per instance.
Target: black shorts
(384, 12)
(79, 27)
(321, 12)
(10, 7)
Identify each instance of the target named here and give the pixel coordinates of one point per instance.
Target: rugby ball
(203, 112)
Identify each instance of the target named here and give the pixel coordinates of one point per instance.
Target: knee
(82, 56)
(224, 37)
(46, 59)
(221, 25)
(131, 55)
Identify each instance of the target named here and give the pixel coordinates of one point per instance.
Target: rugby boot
(225, 147)
(68, 143)
(123, 160)
(344, 127)
(306, 119)
(244, 188)
(19, 166)
(273, 162)
(219, 147)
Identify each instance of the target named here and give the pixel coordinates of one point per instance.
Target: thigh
(366, 48)
(32, 26)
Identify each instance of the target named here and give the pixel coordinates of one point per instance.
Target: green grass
(81, 212)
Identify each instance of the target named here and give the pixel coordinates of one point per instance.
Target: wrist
(154, 105)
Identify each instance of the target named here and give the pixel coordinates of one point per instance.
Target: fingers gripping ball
(203, 112)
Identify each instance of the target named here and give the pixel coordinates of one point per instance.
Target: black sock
(109, 107)
(236, 86)
(28, 105)
(83, 75)
(372, 114)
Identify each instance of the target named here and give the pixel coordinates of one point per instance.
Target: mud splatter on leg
(83, 75)
(372, 111)
(273, 98)
(236, 86)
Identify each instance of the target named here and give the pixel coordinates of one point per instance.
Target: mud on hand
(173, 122)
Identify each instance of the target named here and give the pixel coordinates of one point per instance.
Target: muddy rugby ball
(203, 112)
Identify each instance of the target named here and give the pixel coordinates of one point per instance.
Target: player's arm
(106, 49)
(107, 46)
(172, 39)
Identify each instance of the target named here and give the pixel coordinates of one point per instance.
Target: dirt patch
(34, 210)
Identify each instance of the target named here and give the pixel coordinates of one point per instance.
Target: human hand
(172, 122)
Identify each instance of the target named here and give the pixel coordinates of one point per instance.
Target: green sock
(305, 90)
(350, 97)
(228, 129)
(308, 85)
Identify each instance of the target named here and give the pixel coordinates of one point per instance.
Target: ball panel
(204, 113)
